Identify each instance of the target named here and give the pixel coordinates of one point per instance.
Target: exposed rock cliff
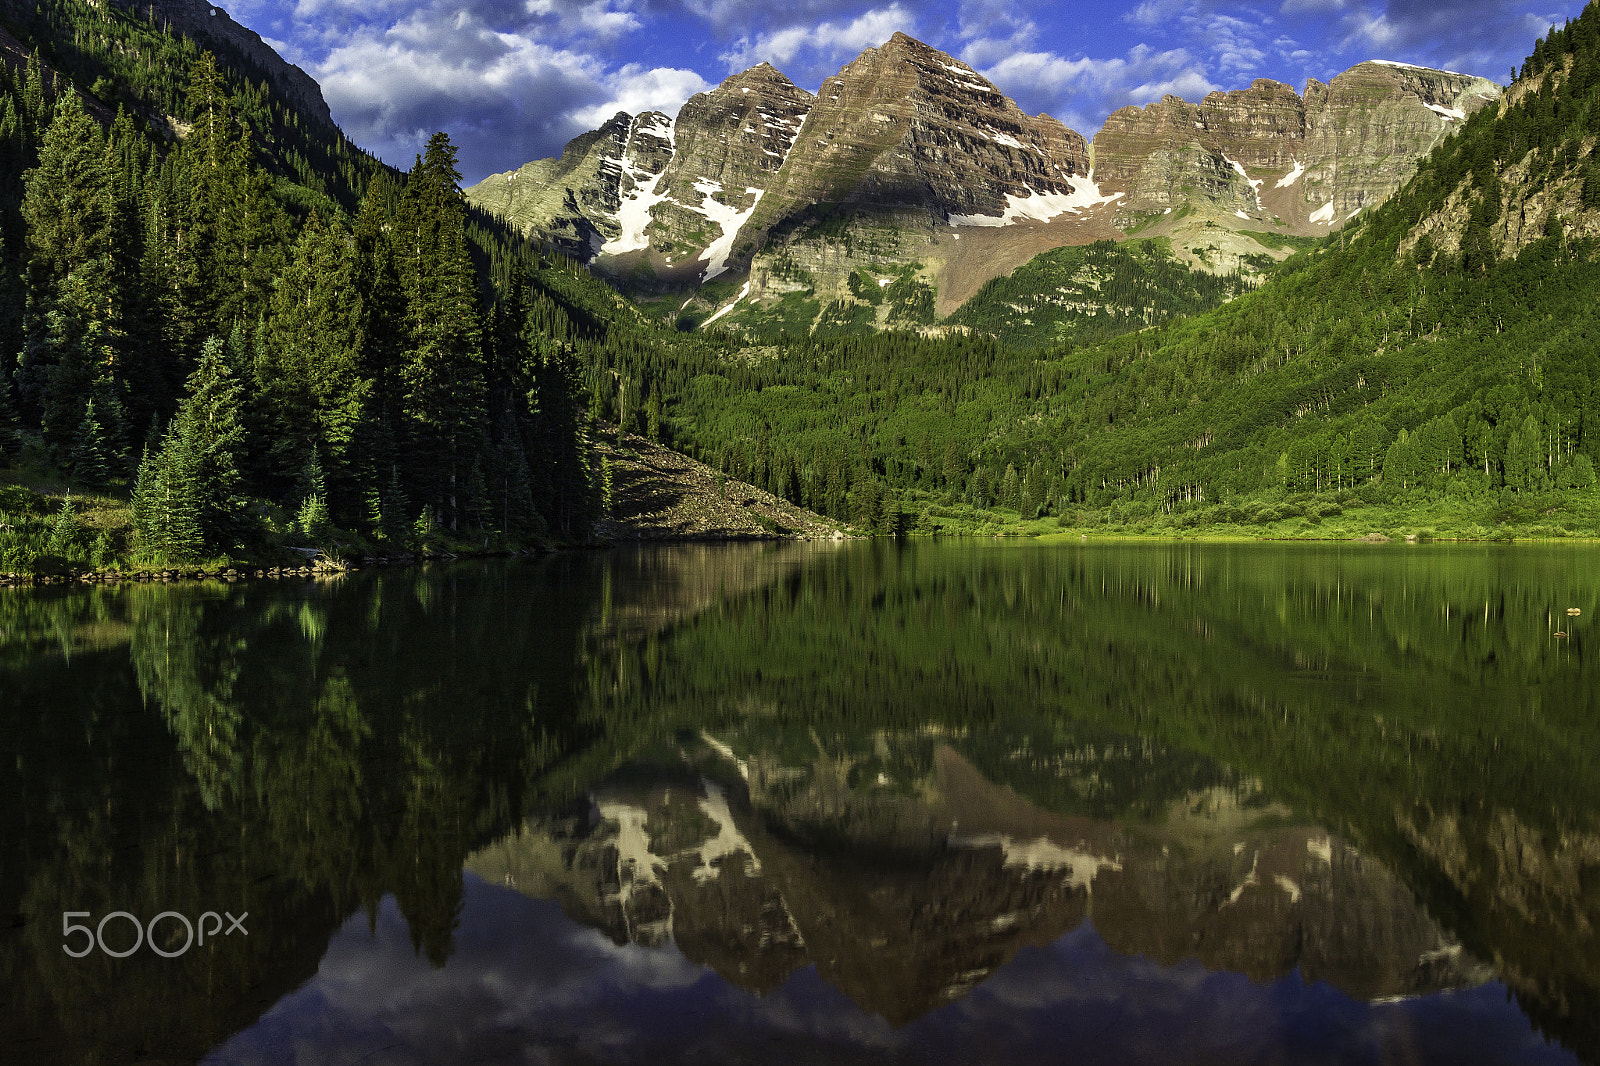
(904, 139)
(909, 180)
(1307, 163)
(656, 195)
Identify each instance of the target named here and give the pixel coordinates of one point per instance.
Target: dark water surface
(785, 803)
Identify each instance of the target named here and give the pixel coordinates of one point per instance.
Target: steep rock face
(1370, 125)
(907, 126)
(904, 141)
(1309, 162)
(910, 178)
(672, 192)
(730, 146)
(576, 201)
(903, 128)
(1164, 153)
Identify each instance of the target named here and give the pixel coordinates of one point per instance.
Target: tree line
(257, 367)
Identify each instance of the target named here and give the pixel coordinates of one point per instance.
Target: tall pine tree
(443, 372)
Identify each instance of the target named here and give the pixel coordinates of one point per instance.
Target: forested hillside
(1433, 368)
(1443, 349)
(213, 306)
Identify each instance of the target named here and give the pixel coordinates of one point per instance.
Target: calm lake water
(862, 803)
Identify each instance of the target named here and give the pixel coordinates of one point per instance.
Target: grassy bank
(1308, 516)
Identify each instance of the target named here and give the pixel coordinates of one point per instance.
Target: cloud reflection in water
(527, 984)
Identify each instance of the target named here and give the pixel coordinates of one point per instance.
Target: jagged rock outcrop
(1306, 162)
(732, 142)
(905, 125)
(575, 201)
(1164, 153)
(672, 192)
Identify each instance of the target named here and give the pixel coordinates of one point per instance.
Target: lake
(864, 802)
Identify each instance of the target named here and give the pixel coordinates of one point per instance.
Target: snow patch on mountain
(1413, 66)
(633, 214)
(731, 219)
(1255, 183)
(1042, 206)
(1042, 853)
(720, 312)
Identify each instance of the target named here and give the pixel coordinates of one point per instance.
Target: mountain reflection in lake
(860, 803)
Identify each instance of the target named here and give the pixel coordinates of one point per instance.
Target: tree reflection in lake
(876, 786)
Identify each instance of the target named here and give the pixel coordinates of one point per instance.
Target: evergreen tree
(166, 504)
(443, 372)
(71, 324)
(314, 520)
(954, 469)
(232, 230)
(890, 519)
(653, 417)
(1011, 488)
(308, 373)
(190, 492)
(311, 483)
(868, 503)
(64, 530)
(90, 464)
(10, 427)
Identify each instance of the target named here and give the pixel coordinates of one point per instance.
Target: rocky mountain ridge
(1304, 165)
(910, 172)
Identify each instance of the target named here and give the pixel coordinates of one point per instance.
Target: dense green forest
(1438, 382)
(255, 333)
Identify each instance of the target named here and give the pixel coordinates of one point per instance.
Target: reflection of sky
(526, 984)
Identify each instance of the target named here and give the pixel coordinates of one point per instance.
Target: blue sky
(513, 80)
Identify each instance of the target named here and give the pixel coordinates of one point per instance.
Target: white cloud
(996, 20)
(1081, 92)
(1233, 42)
(635, 89)
(1156, 13)
(597, 19)
(504, 97)
(826, 41)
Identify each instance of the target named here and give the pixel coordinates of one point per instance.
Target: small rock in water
(1574, 611)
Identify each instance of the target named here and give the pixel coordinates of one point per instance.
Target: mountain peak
(763, 77)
